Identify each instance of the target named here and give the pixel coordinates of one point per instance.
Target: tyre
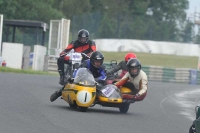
(124, 107)
(73, 105)
(192, 129)
(82, 109)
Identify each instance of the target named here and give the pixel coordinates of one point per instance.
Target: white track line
(186, 100)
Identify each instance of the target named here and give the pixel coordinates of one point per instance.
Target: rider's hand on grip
(85, 55)
(62, 54)
(113, 82)
(71, 80)
(89, 54)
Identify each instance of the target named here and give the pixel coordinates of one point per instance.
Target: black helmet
(83, 36)
(96, 57)
(131, 64)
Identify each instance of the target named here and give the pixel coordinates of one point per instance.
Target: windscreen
(84, 77)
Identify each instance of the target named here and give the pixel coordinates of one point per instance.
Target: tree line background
(158, 20)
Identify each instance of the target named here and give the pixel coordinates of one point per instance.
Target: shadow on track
(93, 110)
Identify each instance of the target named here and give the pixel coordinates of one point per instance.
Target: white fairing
(84, 97)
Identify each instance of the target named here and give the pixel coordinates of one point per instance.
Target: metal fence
(154, 73)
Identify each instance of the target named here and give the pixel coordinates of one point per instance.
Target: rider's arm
(123, 80)
(69, 47)
(143, 84)
(113, 70)
(102, 74)
(92, 47)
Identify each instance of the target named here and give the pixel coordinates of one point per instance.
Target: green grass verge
(12, 70)
(146, 59)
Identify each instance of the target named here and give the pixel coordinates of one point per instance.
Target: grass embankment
(146, 59)
(12, 70)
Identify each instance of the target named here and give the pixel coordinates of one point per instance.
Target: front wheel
(124, 107)
(83, 109)
(73, 105)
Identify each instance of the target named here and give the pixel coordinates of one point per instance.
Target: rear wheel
(124, 107)
(83, 109)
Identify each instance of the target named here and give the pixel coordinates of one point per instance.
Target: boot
(55, 95)
(61, 77)
(61, 80)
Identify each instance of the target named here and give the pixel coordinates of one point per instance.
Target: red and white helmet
(130, 56)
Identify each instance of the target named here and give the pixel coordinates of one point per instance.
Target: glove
(113, 82)
(71, 80)
(62, 53)
(89, 54)
(137, 96)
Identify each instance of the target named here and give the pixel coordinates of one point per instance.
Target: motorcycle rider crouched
(137, 77)
(94, 64)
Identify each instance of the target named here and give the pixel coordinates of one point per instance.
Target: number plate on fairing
(108, 91)
(76, 58)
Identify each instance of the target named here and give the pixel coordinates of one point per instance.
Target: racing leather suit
(86, 48)
(139, 84)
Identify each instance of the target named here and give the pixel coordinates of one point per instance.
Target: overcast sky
(192, 5)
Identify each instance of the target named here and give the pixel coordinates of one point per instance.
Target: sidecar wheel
(82, 109)
(124, 107)
(192, 129)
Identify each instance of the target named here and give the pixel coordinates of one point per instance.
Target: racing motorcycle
(84, 92)
(75, 59)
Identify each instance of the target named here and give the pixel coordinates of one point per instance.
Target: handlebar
(63, 54)
(83, 54)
